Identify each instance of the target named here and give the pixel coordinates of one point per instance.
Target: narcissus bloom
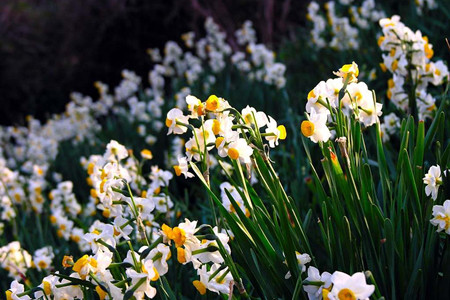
(348, 72)
(433, 180)
(183, 168)
(114, 151)
(146, 154)
(240, 150)
(350, 287)
(251, 116)
(15, 290)
(84, 265)
(441, 214)
(321, 282)
(316, 127)
(278, 132)
(174, 118)
(195, 106)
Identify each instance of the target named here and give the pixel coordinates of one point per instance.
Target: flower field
(314, 169)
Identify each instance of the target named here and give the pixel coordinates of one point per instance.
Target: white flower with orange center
(251, 116)
(84, 265)
(433, 180)
(321, 283)
(441, 214)
(349, 72)
(115, 151)
(195, 106)
(183, 168)
(239, 149)
(316, 127)
(141, 279)
(346, 287)
(176, 121)
(274, 132)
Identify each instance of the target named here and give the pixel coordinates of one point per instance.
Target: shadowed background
(51, 48)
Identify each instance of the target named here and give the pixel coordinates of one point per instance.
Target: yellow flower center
(446, 219)
(389, 94)
(325, 292)
(42, 264)
(428, 51)
(282, 131)
(93, 193)
(394, 65)
(181, 256)
(179, 236)
(53, 219)
(307, 128)
(147, 154)
(248, 118)
(212, 103)
(392, 52)
(9, 293)
(67, 261)
(311, 94)
(169, 122)
(156, 277)
(177, 170)
(47, 288)
(106, 212)
(219, 141)
(101, 293)
(102, 185)
(90, 169)
(391, 83)
(233, 153)
(75, 238)
(82, 262)
(201, 288)
(216, 127)
(380, 40)
(346, 294)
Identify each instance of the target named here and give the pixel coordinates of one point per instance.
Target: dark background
(51, 48)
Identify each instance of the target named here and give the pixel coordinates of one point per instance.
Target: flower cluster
(407, 55)
(330, 25)
(15, 260)
(342, 94)
(115, 177)
(234, 134)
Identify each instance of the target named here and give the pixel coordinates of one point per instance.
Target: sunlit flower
(275, 132)
(316, 127)
(176, 121)
(350, 287)
(183, 168)
(349, 73)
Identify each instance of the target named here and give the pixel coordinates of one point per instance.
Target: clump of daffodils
(341, 94)
(219, 126)
(115, 177)
(343, 31)
(407, 55)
